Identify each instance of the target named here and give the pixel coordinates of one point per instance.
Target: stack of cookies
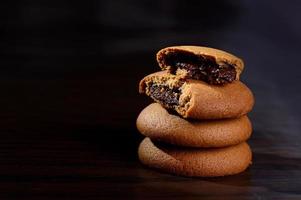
(198, 125)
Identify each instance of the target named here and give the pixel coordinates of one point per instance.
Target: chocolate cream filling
(200, 67)
(167, 96)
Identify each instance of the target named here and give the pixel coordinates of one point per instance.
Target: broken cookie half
(201, 63)
(197, 99)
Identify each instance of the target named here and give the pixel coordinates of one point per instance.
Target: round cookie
(201, 63)
(195, 162)
(156, 123)
(197, 99)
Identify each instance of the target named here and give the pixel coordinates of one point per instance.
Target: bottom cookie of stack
(199, 162)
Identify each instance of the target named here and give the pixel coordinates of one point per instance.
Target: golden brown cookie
(156, 123)
(197, 99)
(195, 162)
(201, 63)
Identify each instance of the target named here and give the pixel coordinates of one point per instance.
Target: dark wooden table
(69, 98)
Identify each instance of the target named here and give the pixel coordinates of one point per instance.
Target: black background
(69, 94)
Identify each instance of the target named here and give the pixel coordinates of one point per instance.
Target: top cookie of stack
(201, 63)
(199, 83)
